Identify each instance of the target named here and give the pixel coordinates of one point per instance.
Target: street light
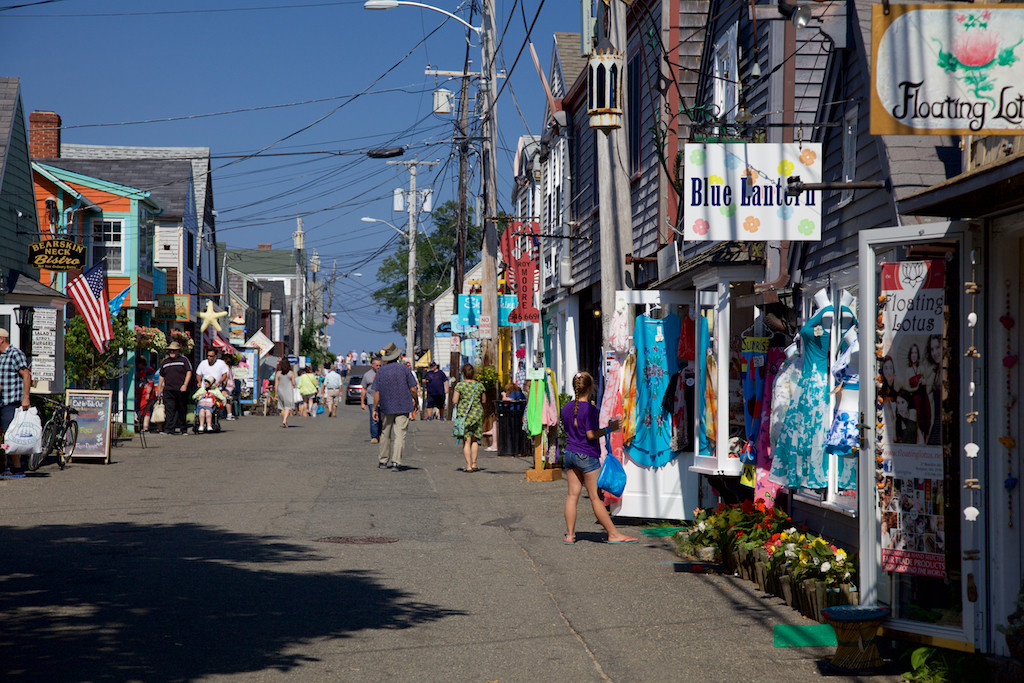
(410, 313)
(391, 4)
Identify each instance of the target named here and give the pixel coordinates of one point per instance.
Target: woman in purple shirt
(583, 458)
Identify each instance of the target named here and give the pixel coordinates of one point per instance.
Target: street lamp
(489, 260)
(24, 317)
(410, 313)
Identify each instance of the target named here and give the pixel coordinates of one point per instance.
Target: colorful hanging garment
(656, 347)
(799, 459)
(612, 391)
(629, 399)
(755, 353)
(687, 340)
(711, 401)
(703, 348)
(843, 438)
(764, 488)
(535, 408)
(550, 416)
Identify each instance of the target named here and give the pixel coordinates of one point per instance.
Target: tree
(85, 365)
(309, 345)
(435, 256)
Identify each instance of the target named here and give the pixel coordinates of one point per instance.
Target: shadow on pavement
(115, 602)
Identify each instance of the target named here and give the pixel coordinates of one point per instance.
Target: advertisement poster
(173, 307)
(909, 403)
(94, 408)
(738, 192)
(947, 69)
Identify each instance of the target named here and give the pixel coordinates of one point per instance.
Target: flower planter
(761, 576)
(787, 589)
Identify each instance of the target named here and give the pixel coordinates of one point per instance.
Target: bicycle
(60, 433)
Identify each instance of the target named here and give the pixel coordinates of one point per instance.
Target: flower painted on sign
(697, 157)
(784, 212)
(786, 168)
(701, 226)
(715, 180)
(752, 223)
(805, 227)
(728, 210)
(807, 157)
(975, 52)
(751, 175)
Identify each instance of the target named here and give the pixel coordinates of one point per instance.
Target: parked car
(354, 392)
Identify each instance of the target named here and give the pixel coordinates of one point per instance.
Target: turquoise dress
(657, 342)
(799, 459)
(703, 345)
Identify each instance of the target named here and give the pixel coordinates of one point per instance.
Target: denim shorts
(583, 463)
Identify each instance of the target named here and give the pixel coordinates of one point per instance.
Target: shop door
(918, 555)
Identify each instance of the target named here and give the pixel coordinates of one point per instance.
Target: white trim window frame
(107, 241)
(725, 72)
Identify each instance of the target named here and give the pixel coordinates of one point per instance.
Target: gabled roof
(9, 87)
(262, 261)
(198, 157)
(165, 180)
(572, 62)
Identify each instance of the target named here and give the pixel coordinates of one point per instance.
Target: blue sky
(105, 64)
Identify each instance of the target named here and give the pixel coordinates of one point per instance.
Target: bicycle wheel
(49, 438)
(67, 446)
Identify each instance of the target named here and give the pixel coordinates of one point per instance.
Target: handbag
(459, 427)
(158, 412)
(25, 433)
(612, 477)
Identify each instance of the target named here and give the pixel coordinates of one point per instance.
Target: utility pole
(413, 206)
(616, 216)
(299, 243)
(489, 271)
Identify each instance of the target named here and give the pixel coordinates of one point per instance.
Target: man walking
(394, 396)
(367, 398)
(332, 390)
(15, 384)
(436, 384)
(175, 375)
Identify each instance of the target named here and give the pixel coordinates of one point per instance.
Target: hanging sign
(737, 192)
(520, 248)
(911, 491)
(57, 255)
(469, 312)
(947, 69)
(173, 307)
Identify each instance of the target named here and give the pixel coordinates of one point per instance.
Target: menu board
(94, 408)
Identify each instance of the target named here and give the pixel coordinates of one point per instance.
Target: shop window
(108, 243)
(724, 72)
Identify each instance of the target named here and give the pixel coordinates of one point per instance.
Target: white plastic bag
(25, 434)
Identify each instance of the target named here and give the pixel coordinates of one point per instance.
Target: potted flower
(183, 338)
(150, 339)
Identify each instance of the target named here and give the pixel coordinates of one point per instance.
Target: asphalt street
(217, 557)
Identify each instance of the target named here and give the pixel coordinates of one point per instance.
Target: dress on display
(657, 342)
(843, 438)
(764, 488)
(705, 445)
(629, 399)
(799, 458)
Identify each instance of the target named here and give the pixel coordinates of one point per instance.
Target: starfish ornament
(211, 317)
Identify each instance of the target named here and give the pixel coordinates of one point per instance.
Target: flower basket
(150, 339)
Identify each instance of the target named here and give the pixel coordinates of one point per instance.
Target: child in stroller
(209, 401)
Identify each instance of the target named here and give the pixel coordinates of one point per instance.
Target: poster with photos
(909, 398)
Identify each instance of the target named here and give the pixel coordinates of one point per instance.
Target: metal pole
(298, 240)
(410, 314)
(489, 271)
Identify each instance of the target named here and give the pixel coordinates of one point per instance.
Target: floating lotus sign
(948, 70)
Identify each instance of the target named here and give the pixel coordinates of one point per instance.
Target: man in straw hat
(394, 396)
(15, 384)
(175, 375)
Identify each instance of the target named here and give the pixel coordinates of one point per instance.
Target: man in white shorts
(332, 391)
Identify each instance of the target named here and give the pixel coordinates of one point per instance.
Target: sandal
(569, 540)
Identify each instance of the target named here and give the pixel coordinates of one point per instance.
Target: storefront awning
(985, 191)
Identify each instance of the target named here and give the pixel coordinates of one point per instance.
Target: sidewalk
(217, 557)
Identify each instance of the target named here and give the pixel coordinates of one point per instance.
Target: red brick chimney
(44, 135)
(263, 246)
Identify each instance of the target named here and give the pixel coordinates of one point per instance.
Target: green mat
(661, 531)
(814, 635)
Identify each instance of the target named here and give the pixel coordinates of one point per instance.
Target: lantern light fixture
(605, 87)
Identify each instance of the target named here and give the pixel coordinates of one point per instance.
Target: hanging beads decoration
(1008, 442)
(971, 482)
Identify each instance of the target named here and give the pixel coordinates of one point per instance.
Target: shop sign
(737, 192)
(57, 255)
(520, 247)
(44, 368)
(44, 318)
(911, 489)
(44, 342)
(947, 69)
(173, 307)
(261, 342)
(469, 312)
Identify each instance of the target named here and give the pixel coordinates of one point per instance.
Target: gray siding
(17, 191)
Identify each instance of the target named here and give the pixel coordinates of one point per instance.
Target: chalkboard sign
(94, 408)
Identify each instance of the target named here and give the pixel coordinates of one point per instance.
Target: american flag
(87, 291)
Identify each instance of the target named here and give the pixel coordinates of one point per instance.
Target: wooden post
(539, 473)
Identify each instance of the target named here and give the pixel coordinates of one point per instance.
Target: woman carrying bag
(469, 409)
(285, 388)
(583, 459)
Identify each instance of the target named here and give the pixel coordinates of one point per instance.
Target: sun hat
(175, 346)
(390, 353)
(209, 379)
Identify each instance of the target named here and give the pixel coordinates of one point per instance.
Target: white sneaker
(202, 428)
